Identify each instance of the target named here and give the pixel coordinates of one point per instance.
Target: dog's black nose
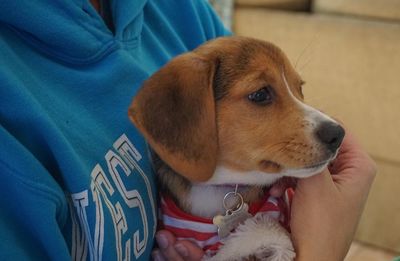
(330, 134)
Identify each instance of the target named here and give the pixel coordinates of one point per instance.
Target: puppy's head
(232, 111)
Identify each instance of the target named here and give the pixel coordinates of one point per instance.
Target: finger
(316, 184)
(157, 255)
(348, 152)
(353, 161)
(166, 242)
(189, 251)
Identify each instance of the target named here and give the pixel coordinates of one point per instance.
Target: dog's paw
(258, 238)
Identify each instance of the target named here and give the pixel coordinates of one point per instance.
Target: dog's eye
(263, 96)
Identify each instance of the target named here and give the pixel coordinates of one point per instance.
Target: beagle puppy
(226, 118)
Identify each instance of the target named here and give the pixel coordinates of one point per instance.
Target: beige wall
(352, 70)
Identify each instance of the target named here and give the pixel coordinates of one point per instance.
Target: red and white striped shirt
(204, 233)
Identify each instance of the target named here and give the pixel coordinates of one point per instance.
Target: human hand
(327, 207)
(171, 249)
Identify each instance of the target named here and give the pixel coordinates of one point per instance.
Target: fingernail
(182, 250)
(162, 241)
(157, 256)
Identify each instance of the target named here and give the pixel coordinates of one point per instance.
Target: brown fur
(195, 114)
(173, 185)
(175, 111)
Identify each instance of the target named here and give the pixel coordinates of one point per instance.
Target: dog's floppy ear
(175, 111)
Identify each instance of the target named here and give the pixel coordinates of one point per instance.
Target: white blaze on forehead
(311, 114)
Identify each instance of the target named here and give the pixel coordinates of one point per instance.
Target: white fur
(206, 201)
(223, 175)
(260, 236)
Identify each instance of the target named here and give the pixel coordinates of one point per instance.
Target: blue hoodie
(75, 177)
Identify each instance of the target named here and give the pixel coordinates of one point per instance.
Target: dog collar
(204, 233)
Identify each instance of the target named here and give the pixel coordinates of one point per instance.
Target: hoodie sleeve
(32, 207)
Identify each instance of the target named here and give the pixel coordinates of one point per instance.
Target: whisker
(305, 65)
(305, 49)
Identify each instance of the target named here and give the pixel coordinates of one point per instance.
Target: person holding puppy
(75, 177)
